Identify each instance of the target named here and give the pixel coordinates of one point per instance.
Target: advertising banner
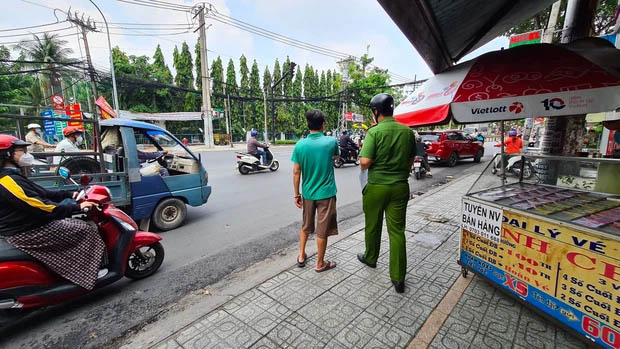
(106, 110)
(568, 274)
(74, 113)
(533, 37)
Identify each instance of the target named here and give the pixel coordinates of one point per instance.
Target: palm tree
(49, 49)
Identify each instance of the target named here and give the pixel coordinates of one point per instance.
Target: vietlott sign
(569, 274)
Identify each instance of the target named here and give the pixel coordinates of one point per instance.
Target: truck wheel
(453, 159)
(479, 155)
(145, 261)
(169, 214)
(81, 165)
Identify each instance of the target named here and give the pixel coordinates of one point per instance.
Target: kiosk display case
(552, 240)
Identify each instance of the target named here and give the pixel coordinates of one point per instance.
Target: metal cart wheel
(464, 272)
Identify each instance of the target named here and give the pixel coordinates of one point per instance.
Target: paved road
(247, 219)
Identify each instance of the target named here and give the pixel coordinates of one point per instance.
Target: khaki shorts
(325, 213)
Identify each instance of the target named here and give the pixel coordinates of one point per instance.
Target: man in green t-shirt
(313, 162)
(388, 152)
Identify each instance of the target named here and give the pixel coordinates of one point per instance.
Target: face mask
(79, 140)
(25, 160)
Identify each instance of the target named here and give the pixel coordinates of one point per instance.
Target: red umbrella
(522, 82)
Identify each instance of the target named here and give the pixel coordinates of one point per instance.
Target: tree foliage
(603, 20)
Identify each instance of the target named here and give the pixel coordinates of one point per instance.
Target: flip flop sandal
(302, 264)
(328, 265)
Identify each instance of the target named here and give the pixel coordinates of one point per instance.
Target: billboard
(533, 37)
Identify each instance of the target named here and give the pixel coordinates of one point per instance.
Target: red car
(451, 145)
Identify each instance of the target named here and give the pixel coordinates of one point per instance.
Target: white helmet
(33, 126)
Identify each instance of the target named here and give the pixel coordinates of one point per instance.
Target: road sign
(48, 125)
(58, 100)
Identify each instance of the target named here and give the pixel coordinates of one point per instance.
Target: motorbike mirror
(64, 172)
(84, 180)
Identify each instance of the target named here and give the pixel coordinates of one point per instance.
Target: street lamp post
(114, 92)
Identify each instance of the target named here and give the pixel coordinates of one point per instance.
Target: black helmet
(383, 103)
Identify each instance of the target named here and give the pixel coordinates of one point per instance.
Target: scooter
(419, 170)
(247, 163)
(26, 284)
(513, 165)
(353, 158)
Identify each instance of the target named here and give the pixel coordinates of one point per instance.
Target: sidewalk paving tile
(354, 306)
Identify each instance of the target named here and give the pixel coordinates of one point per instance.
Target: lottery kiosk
(549, 234)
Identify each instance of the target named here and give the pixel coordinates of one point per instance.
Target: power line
(33, 40)
(163, 7)
(41, 32)
(31, 27)
(145, 34)
(165, 3)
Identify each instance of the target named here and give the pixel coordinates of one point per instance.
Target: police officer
(387, 153)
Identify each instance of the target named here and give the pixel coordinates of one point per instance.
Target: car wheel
(169, 214)
(479, 155)
(453, 159)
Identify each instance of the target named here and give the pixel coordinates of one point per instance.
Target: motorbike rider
(347, 146)
(33, 221)
(254, 144)
(513, 146)
(421, 151)
(34, 137)
(70, 144)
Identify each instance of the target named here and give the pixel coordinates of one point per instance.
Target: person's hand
(75, 195)
(165, 152)
(298, 201)
(87, 204)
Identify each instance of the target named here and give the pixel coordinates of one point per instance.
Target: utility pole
(206, 86)
(229, 120)
(553, 21)
(290, 72)
(85, 26)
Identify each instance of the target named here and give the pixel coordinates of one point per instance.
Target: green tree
(48, 48)
(232, 89)
(198, 65)
(365, 85)
(298, 109)
(256, 108)
(277, 74)
(267, 80)
(603, 21)
(161, 73)
(217, 76)
(184, 67)
(244, 91)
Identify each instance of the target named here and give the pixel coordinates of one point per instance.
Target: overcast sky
(344, 25)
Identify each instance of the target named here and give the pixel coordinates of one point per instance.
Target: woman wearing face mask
(32, 220)
(70, 144)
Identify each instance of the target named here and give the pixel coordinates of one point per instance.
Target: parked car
(450, 146)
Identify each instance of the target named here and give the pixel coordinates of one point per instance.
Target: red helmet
(8, 141)
(70, 130)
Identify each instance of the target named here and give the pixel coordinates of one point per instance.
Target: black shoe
(399, 286)
(361, 258)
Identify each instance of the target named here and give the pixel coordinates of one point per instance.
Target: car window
(430, 137)
(152, 141)
(456, 136)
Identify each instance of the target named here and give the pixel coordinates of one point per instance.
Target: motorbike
(247, 163)
(419, 170)
(353, 158)
(513, 165)
(26, 284)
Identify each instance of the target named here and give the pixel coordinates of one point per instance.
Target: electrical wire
(39, 62)
(32, 26)
(145, 34)
(133, 2)
(165, 3)
(33, 40)
(41, 32)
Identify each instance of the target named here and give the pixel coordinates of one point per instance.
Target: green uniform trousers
(391, 199)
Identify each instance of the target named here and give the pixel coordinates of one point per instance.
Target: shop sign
(533, 37)
(482, 220)
(74, 113)
(569, 274)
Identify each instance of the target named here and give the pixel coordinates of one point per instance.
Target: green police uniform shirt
(390, 145)
(315, 155)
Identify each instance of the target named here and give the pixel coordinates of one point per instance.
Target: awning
(443, 31)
